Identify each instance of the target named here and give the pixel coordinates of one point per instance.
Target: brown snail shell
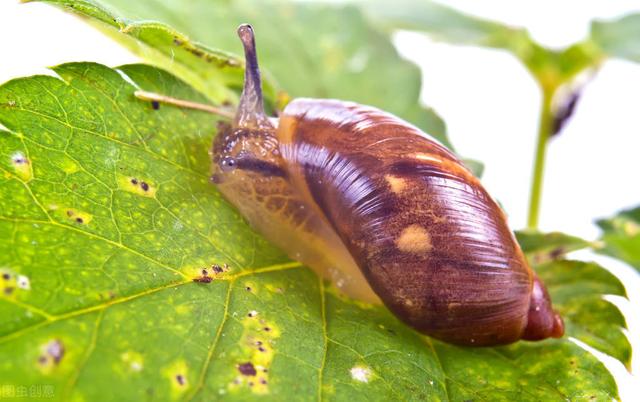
(384, 210)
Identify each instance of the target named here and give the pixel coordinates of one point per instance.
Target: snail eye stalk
(251, 109)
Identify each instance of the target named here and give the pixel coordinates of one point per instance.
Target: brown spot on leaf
(216, 268)
(19, 159)
(557, 253)
(196, 52)
(203, 279)
(247, 369)
(54, 351)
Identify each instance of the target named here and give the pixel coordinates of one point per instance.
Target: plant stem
(544, 131)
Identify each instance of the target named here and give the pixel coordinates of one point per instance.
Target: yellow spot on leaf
(178, 375)
(183, 309)
(414, 239)
(75, 216)
(256, 354)
(8, 282)
(137, 185)
(274, 288)
(133, 361)
(215, 271)
(328, 389)
(11, 283)
(22, 166)
(69, 166)
(250, 286)
(51, 355)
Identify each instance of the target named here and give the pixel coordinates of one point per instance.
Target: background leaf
(102, 302)
(440, 22)
(615, 38)
(576, 288)
(215, 73)
(446, 24)
(619, 38)
(542, 247)
(315, 50)
(621, 236)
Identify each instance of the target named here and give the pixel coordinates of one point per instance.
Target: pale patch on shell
(425, 157)
(414, 239)
(397, 184)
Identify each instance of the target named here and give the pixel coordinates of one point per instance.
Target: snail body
(384, 211)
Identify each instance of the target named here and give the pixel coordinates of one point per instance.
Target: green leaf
(542, 247)
(446, 24)
(102, 304)
(619, 38)
(550, 67)
(621, 236)
(323, 51)
(475, 166)
(576, 289)
(215, 73)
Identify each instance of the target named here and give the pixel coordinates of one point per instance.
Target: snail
(383, 210)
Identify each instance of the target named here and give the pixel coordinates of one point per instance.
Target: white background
(488, 100)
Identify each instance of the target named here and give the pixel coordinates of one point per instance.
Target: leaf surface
(542, 247)
(619, 37)
(102, 302)
(550, 67)
(314, 50)
(621, 236)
